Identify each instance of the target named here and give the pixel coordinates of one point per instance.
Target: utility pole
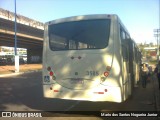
(15, 46)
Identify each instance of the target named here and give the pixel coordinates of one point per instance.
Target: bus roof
(81, 17)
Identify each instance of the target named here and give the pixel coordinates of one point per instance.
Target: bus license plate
(77, 81)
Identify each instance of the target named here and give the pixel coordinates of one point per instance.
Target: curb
(20, 73)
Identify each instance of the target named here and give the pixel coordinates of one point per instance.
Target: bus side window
(122, 35)
(124, 44)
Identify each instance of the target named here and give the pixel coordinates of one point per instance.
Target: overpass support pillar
(34, 55)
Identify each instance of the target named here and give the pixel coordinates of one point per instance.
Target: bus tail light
(106, 73)
(51, 73)
(79, 57)
(103, 79)
(108, 68)
(53, 77)
(72, 57)
(105, 90)
(49, 68)
(56, 90)
(99, 92)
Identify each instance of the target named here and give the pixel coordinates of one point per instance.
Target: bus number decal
(92, 73)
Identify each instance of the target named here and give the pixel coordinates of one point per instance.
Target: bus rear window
(76, 35)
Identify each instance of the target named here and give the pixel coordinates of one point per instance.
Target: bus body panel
(99, 93)
(92, 74)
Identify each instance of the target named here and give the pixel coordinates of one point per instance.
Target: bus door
(131, 63)
(125, 64)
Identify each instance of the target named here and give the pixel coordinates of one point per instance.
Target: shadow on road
(24, 93)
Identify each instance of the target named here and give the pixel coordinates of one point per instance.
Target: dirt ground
(22, 68)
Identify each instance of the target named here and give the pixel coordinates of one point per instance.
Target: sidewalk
(10, 69)
(150, 93)
(157, 92)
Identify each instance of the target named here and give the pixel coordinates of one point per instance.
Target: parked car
(10, 61)
(3, 62)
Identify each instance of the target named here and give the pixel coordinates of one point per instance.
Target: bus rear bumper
(112, 94)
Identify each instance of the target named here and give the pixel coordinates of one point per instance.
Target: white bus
(88, 57)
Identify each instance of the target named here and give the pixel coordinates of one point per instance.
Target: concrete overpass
(29, 34)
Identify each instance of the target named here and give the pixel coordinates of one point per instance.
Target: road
(24, 93)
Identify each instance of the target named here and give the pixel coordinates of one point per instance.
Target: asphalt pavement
(16, 93)
(156, 92)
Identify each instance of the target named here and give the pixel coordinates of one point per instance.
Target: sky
(140, 17)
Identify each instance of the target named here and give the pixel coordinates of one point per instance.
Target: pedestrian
(157, 71)
(144, 74)
(149, 73)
